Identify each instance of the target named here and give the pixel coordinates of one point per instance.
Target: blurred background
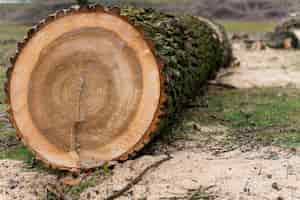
(249, 16)
(244, 16)
(29, 11)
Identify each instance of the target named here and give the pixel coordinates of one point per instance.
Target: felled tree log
(91, 84)
(277, 40)
(288, 24)
(289, 29)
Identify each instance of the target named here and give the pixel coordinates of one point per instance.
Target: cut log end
(89, 92)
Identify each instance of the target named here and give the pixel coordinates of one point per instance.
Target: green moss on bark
(191, 49)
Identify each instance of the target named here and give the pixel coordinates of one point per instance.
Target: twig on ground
(280, 128)
(223, 85)
(137, 179)
(223, 121)
(201, 193)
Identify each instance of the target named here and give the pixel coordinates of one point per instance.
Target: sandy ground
(233, 175)
(17, 182)
(266, 174)
(262, 68)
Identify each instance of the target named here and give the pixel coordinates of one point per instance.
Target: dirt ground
(266, 68)
(194, 171)
(270, 173)
(267, 174)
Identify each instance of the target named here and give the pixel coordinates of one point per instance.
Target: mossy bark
(82, 2)
(192, 50)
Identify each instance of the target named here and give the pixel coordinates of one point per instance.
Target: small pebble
(269, 176)
(275, 186)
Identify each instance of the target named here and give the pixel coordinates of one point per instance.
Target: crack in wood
(75, 145)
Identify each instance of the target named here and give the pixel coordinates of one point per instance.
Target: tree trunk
(277, 40)
(91, 84)
(82, 2)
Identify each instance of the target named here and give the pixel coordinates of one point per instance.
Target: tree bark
(82, 2)
(191, 48)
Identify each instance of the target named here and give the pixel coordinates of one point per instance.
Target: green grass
(75, 191)
(12, 31)
(256, 107)
(10, 34)
(20, 153)
(2, 81)
(248, 26)
(200, 194)
(262, 116)
(290, 140)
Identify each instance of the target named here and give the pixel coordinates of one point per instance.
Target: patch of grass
(7, 134)
(201, 194)
(12, 31)
(255, 108)
(10, 148)
(75, 191)
(2, 95)
(6, 51)
(289, 140)
(20, 153)
(248, 26)
(9, 35)
(258, 116)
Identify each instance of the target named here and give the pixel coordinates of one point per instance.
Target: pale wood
(85, 90)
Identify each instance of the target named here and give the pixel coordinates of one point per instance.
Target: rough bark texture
(189, 51)
(223, 38)
(82, 2)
